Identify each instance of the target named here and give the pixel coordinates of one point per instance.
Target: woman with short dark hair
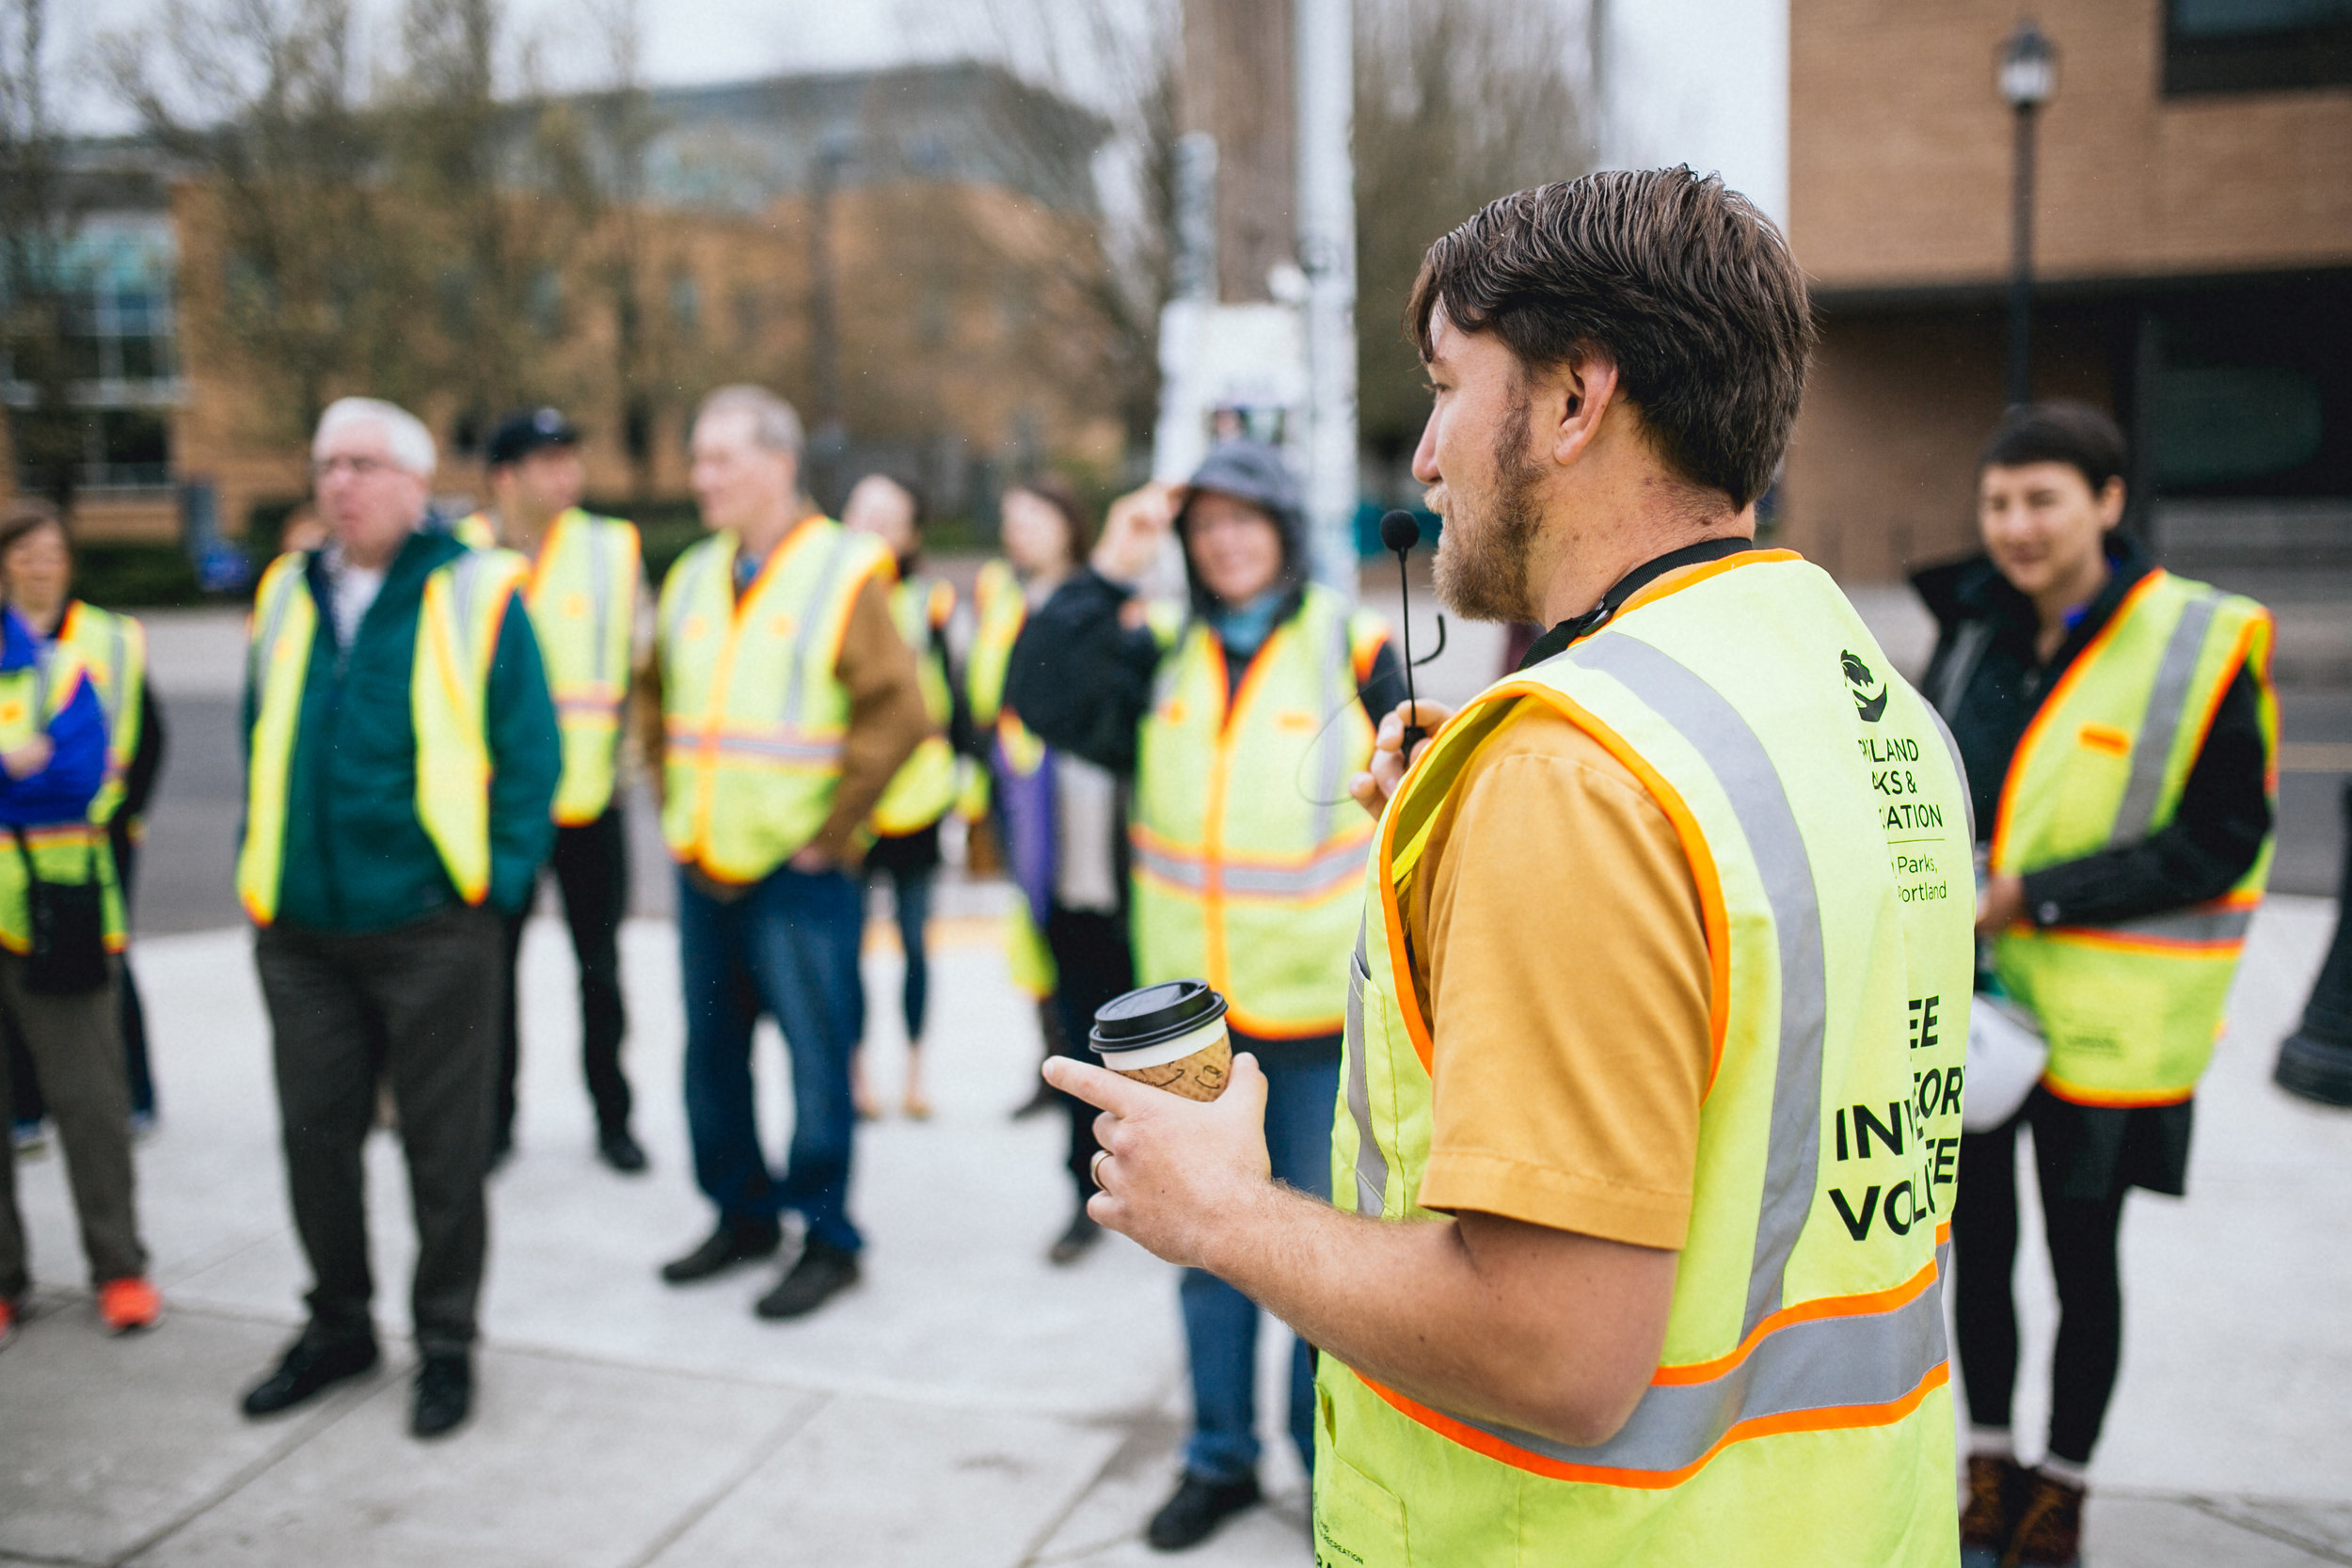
(2117, 726)
(61, 923)
(37, 579)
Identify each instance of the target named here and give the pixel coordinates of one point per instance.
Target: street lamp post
(2027, 76)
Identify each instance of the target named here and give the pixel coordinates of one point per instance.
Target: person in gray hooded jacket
(1232, 735)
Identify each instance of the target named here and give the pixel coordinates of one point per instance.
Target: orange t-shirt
(1560, 958)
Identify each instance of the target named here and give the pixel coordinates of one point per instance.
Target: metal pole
(2021, 262)
(1324, 40)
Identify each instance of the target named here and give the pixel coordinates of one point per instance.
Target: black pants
(31, 1105)
(2082, 1239)
(418, 1007)
(1094, 964)
(591, 866)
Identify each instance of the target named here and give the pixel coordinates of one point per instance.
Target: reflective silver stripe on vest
(1372, 1167)
(118, 665)
(1714, 729)
(1185, 871)
(807, 632)
(2135, 818)
(599, 590)
(1328, 684)
(2199, 924)
(465, 576)
(698, 567)
(1853, 1359)
(1333, 868)
(1864, 1358)
(1329, 870)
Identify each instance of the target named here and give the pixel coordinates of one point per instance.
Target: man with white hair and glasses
(401, 759)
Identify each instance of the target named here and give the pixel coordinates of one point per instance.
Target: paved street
(967, 1404)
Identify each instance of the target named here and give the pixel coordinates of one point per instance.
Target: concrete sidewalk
(968, 1404)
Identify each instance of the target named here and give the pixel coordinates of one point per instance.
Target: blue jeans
(788, 947)
(1221, 1323)
(911, 905)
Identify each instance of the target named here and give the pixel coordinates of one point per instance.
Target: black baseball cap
(517, 435)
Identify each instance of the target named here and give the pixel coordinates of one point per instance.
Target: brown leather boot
(2050, 1528)
(1996, 1493)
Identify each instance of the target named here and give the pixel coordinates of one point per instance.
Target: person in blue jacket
(53, 757)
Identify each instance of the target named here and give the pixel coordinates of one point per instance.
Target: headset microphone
(1400, 532)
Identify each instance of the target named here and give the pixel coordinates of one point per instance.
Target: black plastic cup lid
(1154, 1014)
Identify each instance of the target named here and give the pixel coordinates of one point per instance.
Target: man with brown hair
(1666, 940)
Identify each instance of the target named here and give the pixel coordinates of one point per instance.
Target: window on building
(114, 281)
(2256, 45)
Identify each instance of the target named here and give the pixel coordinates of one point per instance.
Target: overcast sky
(686, 40)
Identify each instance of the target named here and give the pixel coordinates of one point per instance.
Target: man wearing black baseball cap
(583, 594)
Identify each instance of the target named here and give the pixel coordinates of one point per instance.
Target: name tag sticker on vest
(1294, 721)
(2099, 737)
(576, 606)
(11, 713)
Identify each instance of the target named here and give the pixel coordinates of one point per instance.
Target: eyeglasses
(357, 468)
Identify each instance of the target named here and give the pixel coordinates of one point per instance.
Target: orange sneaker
(128, 1305)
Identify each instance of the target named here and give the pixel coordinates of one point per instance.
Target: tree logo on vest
(1859, 677)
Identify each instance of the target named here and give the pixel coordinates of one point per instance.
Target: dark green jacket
(357, 856)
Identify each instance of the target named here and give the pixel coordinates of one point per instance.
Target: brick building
(957, 330)
(2193, 250)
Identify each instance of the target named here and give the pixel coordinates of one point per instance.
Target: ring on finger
(1094, 1169)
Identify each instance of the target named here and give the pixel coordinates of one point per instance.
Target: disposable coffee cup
(1170, 1035)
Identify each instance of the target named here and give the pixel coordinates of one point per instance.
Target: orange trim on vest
(1833, 1418)
(1804, 1311)
(2128, 1099)
(1714, 917)
(2253, 638)
(1691, 577)
(2039, 727)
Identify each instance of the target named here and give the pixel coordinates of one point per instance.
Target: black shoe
(619, 1150)
(823, 1271)
(1077, 1242)
(444, 1393)
(735, 1242)
(310, 1366)
(1197, 1508)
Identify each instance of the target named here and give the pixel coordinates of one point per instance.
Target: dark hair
(1685, 284)
(1062, 496)
(2075, 433)
(28, 515)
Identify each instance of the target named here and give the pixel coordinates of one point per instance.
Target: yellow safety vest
(71, 853)
(1801, 1412)
(582, 596)
(458, 621)
(924, 788)
(1247, 853)
(2131, 1010)
(114, 652)
(754, 715)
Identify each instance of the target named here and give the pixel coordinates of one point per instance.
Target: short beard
(1483, 554)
